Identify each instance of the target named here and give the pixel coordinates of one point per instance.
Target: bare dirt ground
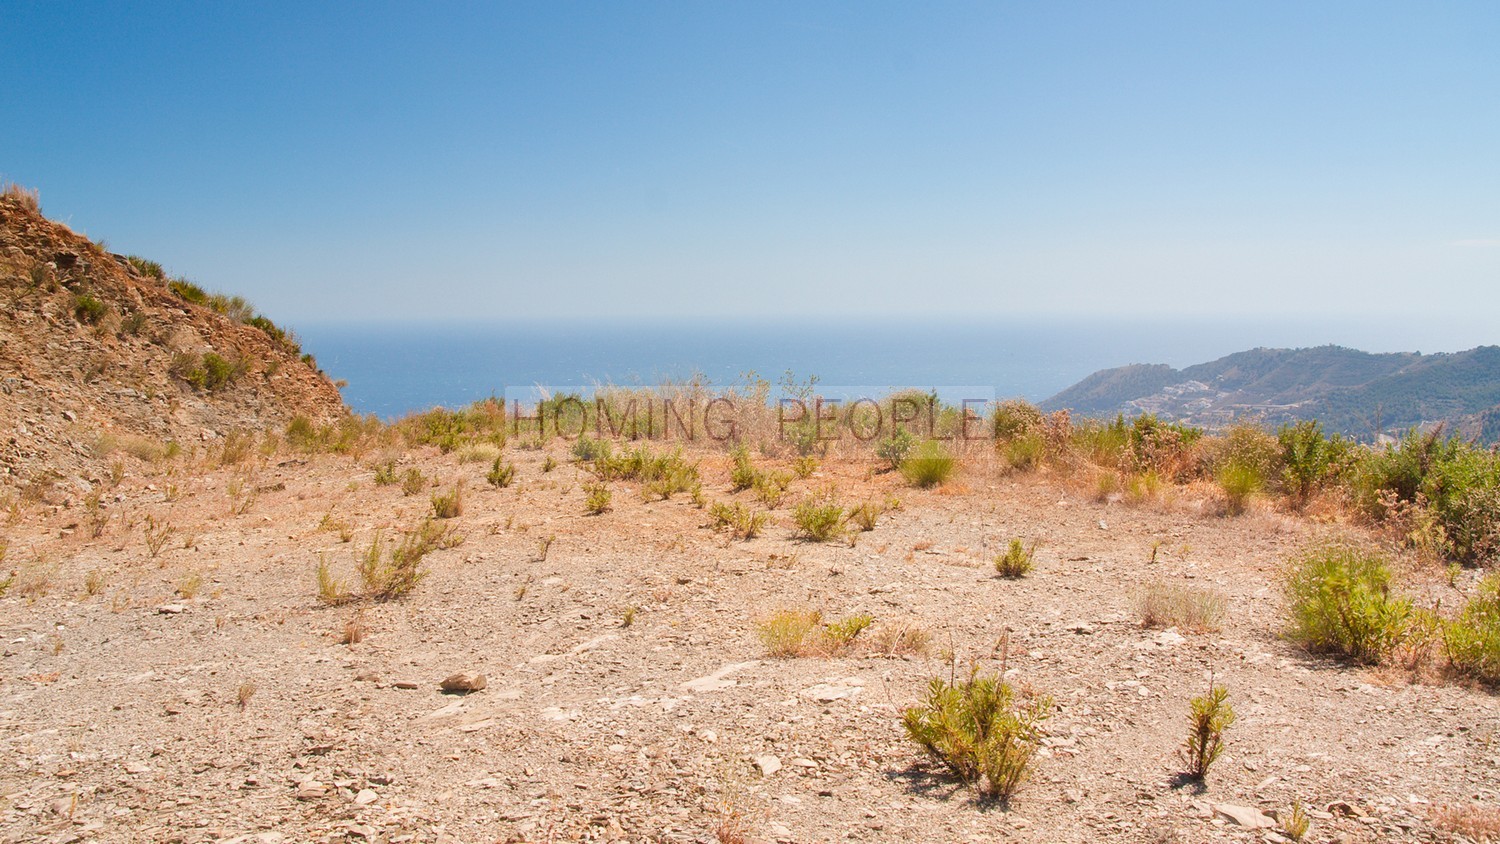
(239, 714)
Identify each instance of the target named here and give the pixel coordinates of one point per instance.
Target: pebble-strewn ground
(138, 714)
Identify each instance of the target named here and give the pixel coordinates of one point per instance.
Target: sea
(393, 368)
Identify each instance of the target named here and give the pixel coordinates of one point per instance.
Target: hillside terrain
(1351, 392)
(100, 352)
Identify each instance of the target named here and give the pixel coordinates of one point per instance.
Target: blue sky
(390, 161)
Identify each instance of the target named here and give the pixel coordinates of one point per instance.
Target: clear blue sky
(361, 161)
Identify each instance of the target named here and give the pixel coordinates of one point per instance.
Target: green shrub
(980, 731)
(1456, 481)
(588, 450)
(146, 267)
(1209, 717)
(448, 505)
(1309, 460)
(743, 474)
(188, 291)
(389, 573)
(413, 481)
(501, 473)
(1015, 418)
(1024, 453)
(88, 309)
(1016, 561)
(659, 474)
(819, 520)
(929, 464)
(794, 633)
(1471, 642)
(804, 466)
(740, 520)
(1239, 481)
(770, 488)
(596, 498)
(210, 371)
(894, 448)
(1339, 602)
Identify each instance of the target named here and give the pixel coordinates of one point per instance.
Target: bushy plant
(743, 474)
(1458, 482)
(501, 473)
(1471, 641)
(819, 519)
(1239, 481)
(1015, 418)
(448, 505)
(1190, 608)
(739, 520)
(88, 309)
(1016, 561)
(1309, 460)
(980, 730)
(1339, 602)
(894, 448)
(794, 633)
(771, 487)
(393, 572)
(865, 515)
(596, 498)
(1024, 453)
(929, 464)
(413, 481)
(1209, 716)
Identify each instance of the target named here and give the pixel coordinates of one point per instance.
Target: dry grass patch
(1474, 821)
(1162, 605)
(798, 633)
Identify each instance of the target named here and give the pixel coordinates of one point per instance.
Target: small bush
(385, 474)
(1239, 481)
(894, 448)
(588, 450)
(501, 473)
(865, 515)
(392, 573)
(1209, 717)
(900, 640)
(331, 590)
(1471, 641)
(1025, 453)
(146, 267)
(1166, 605)
(1340, 602)
(1014, 419)
(819, 520)
(413, 481)
(448, 505)
(88, 309)
(743, 474)
(794, 633)
(1295, 823)
(1309, 460)
(980, 731)
(804, 466)
(1016, 561)
(188, 291)
(596, 497)
(771, 487)
(929, 464)
(741, 521)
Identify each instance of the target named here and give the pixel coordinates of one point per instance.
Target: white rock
(1245, 816)
(767, 764)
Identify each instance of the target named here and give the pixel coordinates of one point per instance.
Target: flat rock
(1245, 816)
(716, 681)
(464, 682)
(767, 764)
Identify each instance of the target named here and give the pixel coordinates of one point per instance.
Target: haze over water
(394, 369)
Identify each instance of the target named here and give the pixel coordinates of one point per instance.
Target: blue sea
(397, 368)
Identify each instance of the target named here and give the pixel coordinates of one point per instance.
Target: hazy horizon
(341, 162)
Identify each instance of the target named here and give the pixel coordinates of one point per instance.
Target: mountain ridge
(1356, 393)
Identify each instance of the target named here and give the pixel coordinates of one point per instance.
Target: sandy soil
(136, 714)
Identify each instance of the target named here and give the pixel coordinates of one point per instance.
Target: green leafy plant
(929, 464)
(413, 481)
(894, 448)
(819, 519)
(1016, 561)
(741, 521)
(596, 498)
(771, 487)
(1210, 715)
(501, 473)
(1295, 822)
(1239, 481)
(800, 633)
(88, 309)
(448, 505)
(980, 730)
(1471, 641)
(742, 474)
(1339, 602)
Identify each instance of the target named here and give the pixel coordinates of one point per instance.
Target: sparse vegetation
(739, 520)
(1016, 561)
(819, 519)
(413, 481)
(596, 498)
(88, 309)
(157, 535)
(801, 633)
(393, 571)
(865, 515)
(981, 730)
(1340, 603)
(1471, 641)
(1210, 715)
(448, 505)
(894, 448)
(1161, 604)
(929, 464)
(501, 473)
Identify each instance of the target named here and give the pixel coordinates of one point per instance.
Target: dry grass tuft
(1189, 608)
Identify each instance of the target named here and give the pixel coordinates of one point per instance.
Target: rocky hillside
(99, 352)
(1353, 392)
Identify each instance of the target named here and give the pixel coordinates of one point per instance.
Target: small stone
(171, 609)
(365, 797)
(464, 682)
(1082, 628)
(311, 790)
(767, 764)
(405, 684)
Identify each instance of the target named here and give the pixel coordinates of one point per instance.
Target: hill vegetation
(1353, 393)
